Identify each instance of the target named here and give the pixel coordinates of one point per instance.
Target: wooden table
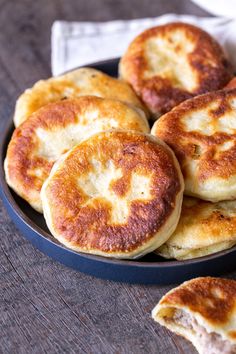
(46, 307)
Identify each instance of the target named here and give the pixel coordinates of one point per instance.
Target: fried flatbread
(53, 130)
(203, 310)
(202, 133)
(117, 194)
(170, 63)
(204, 228)
(80, 82)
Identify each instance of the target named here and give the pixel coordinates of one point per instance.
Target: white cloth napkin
(79, 43)
(218, 7)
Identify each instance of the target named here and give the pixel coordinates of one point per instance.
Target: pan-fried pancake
(117, 194)
(80, 82)
(171, 63)
(54, 129)
(204, 228)
(202, 133)
(203, 310)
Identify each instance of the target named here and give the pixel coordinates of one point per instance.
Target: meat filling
(211, 343)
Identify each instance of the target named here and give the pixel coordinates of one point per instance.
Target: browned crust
(22, 153)
(76, 83)
(22, 149)
(89, 226)
(186, 143)
(204, 223)
(213, 298)
(215, 224)
(207, 61)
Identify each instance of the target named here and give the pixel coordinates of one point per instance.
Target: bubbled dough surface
(80, 82)
(203, 228)
(53, 130)
(202, 132)
(121, 195)
(171, 63)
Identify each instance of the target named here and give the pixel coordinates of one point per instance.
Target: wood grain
(44, 306)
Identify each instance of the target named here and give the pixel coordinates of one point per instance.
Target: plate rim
(7, 197)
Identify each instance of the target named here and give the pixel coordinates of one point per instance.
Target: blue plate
(151, 269)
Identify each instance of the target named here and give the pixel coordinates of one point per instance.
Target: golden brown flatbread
(202, 133)
(204, 228)
(203, 310)
(170, 63)
(117, 194)
(76, 83)
(53, 130)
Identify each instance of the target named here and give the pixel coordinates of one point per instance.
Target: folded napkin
(79, 43)
(218, 7)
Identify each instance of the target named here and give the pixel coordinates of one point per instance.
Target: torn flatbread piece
(203, 310)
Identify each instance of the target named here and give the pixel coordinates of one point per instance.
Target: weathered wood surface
(44, 306)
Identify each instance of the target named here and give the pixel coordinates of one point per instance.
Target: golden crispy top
(80, 82)
(203, 224)
(54, 129)
(113, 192)
(202, 133)
(170, 63)
(214, 299)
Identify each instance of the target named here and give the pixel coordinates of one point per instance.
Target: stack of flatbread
(82, 152)
(83, 155)
(177, 71)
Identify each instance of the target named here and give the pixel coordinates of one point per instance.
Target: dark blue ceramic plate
(151, 269)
